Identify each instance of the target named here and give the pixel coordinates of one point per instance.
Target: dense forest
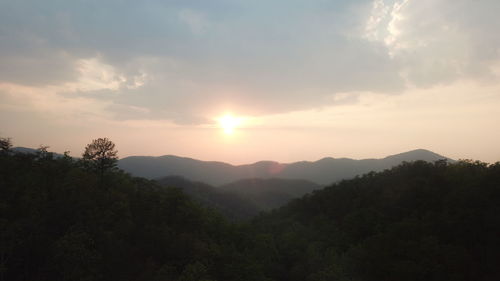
(417, 221)
(83, 219)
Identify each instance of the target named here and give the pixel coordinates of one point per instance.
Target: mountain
(211, 172)
(416, 221)
(230, 204)
(268, 194)
(244, 198)
(323, 172)
(27, 150)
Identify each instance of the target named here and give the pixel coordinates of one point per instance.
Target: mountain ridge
(271, 193)
(323, 171)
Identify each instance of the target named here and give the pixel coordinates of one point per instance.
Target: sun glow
(228, 123)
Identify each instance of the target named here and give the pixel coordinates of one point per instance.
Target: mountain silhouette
(267, 194)
(324, 171)
(231, 204)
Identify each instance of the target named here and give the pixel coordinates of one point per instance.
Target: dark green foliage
(418, 221)
(58, 223)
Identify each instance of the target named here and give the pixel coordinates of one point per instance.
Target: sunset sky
(241, 81)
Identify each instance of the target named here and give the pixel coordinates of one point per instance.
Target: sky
(302, 80)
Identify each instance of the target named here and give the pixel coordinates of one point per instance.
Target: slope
(324, 171)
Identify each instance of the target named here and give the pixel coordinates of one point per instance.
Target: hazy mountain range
(243, 198)
(322, 172)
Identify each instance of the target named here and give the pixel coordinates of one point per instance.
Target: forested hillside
(245, 198)
(231, 205)
(66, 219)
(268, 194)
(62, 219)
(418, 221)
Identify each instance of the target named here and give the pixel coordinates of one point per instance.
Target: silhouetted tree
(101, 155)
(5, 144)
(43, 152)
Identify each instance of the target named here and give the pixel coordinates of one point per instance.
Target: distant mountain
(243, 198)
(230, 204)
(214, 173)
(20, 149)
(24, 150)
(323, 172)
(268, 194)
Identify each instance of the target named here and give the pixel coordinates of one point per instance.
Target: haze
(303, 79)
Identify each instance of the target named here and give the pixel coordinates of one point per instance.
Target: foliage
(101, 155)
(5, 144)
(417, 221)
(57, 223)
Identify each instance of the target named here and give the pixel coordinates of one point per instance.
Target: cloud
(38, 68)
(437, 41)
(48, 101)
(95, 75)
(188, 61)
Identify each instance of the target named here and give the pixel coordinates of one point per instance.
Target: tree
(101, 155)
(5, 144)
(43, 152)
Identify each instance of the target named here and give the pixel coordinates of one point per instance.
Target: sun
(228, 123)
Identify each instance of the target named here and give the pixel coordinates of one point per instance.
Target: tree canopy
(5, 144)
(101, 154)
(417, 221)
